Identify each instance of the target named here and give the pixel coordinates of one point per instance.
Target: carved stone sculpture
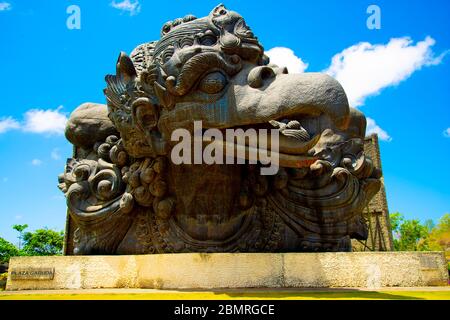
(126, 196)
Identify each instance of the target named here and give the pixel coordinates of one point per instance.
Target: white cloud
(4, 6)
(285, 57)
(18, 217)
(37, 121)
(126, 5)
(372, 127)
(55, 154)
(7, 124)
(5, 179)
(36, 162)
(45, 121)
(447, 133)
(365, 69)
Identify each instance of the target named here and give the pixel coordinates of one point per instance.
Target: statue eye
(220, 11)
(208, 40)
(213, 82)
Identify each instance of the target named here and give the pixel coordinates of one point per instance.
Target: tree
(20, 228)
(409, 235)
(413, 236)
(7, 250)
(440, 235)
(429, 224)
(43, 242)
(396, 220)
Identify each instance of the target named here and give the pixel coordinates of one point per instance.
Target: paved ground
(435, 293)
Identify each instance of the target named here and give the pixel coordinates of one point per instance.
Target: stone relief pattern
(125, 180)
(260, 232)
(96, 197)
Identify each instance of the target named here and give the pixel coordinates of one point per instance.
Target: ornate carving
(126, 196)
(96, 198)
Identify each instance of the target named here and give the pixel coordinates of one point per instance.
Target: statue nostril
(267, 73)
(258, 75)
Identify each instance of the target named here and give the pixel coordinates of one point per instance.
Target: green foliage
(411, 235)
(43, 242)
(429, 224)
(7, 250)
(440, 235)
(444, 223)
(20, 227)
(396, 220)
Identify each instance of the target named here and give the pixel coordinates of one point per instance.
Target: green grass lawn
(207, 295)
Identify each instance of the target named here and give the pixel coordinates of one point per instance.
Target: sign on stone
(33, 274)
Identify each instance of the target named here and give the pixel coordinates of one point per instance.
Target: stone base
(231, 270)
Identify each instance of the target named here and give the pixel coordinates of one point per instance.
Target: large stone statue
(125, 195)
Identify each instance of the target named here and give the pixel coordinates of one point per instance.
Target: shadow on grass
(308, 294)
(327, 295)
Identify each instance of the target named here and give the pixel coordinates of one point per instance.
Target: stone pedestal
(230, 270)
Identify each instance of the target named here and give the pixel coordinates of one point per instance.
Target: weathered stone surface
(126, 196)
(88, 124)
(32, 273)
(238, 270)
(377, 212)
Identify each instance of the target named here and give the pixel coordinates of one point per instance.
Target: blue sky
(397, 75)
